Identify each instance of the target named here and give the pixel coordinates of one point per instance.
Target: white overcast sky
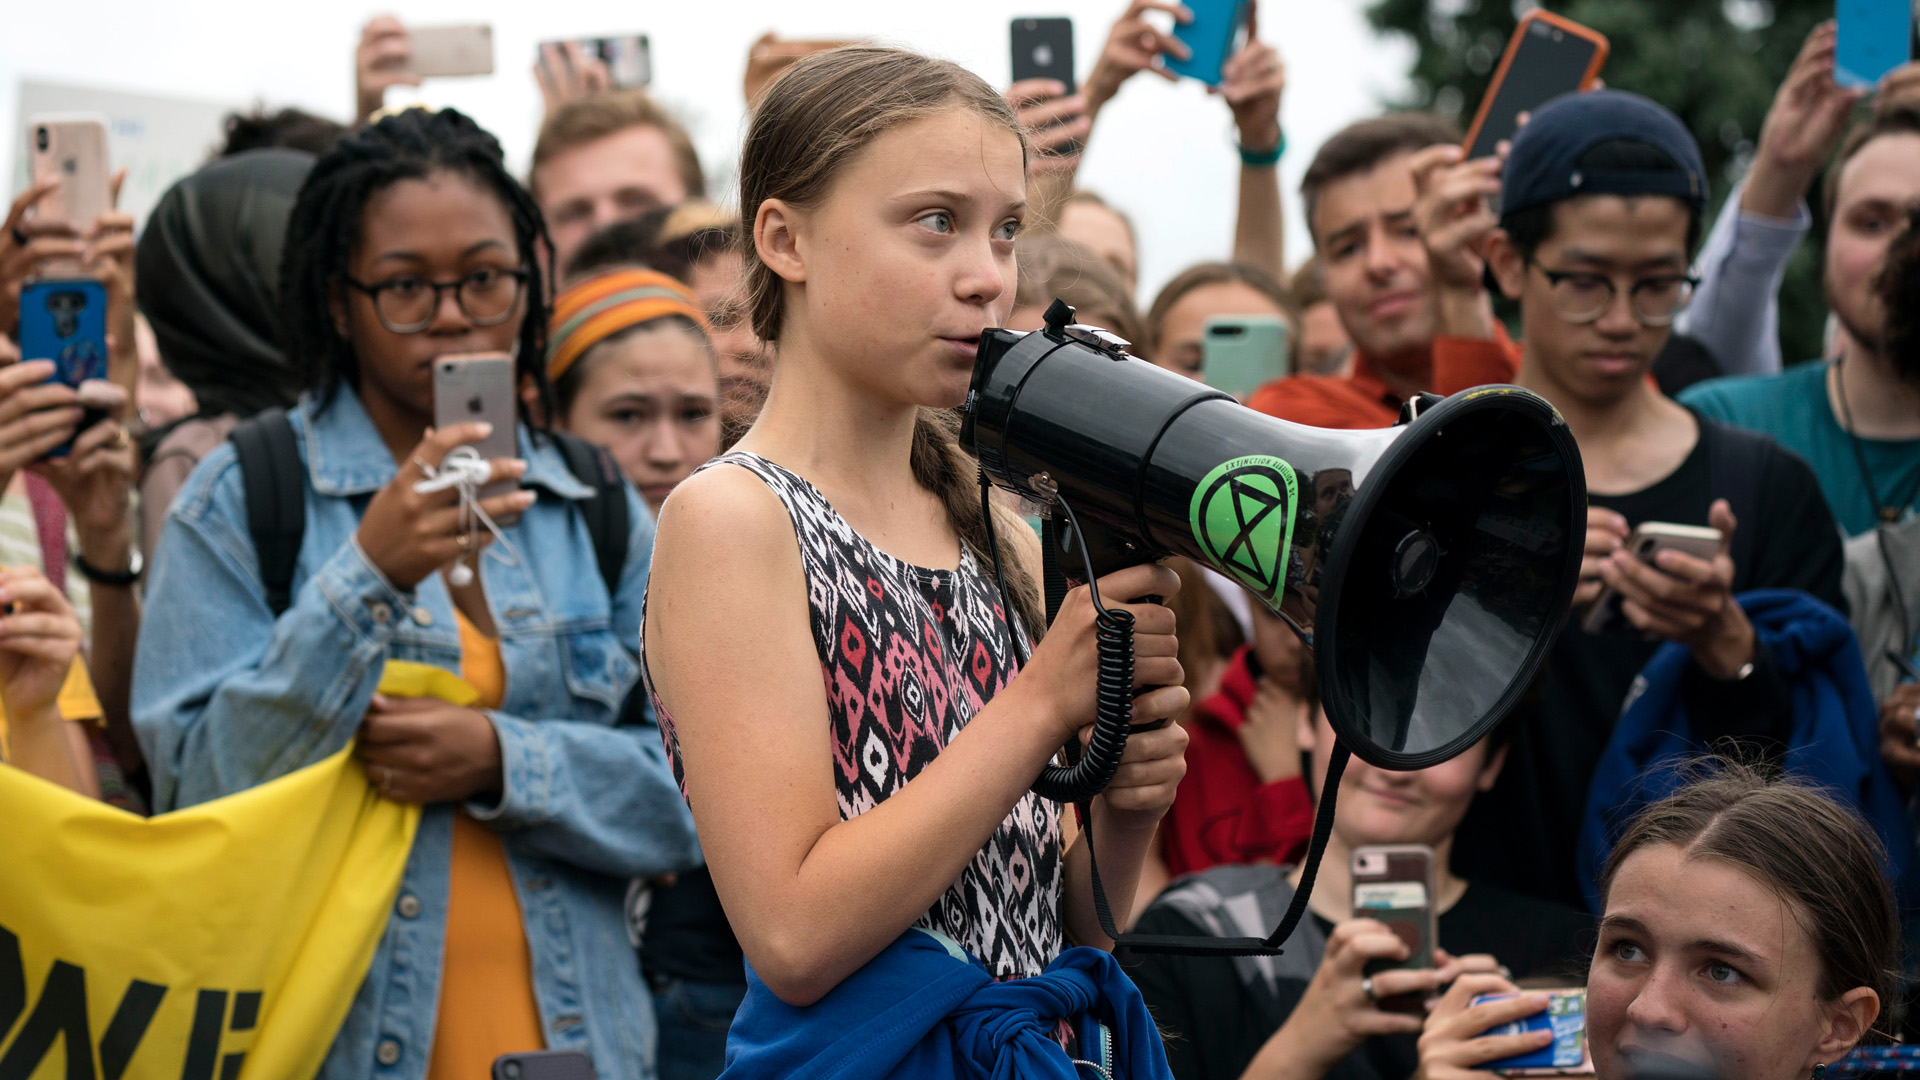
(1162, 152)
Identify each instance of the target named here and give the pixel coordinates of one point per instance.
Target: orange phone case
(1513, 46)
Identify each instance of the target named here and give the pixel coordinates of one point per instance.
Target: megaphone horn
(1428, 565)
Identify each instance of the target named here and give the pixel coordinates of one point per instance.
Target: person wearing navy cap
(1601, 203)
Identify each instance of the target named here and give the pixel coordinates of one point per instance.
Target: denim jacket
(225, 696)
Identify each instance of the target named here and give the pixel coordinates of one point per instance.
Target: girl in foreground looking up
(1749, 933)
(882, 193)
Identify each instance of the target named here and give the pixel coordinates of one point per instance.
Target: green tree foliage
(1714, 62)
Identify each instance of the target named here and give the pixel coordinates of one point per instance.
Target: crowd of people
(752, 706)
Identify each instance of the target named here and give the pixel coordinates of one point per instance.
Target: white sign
(156, 139)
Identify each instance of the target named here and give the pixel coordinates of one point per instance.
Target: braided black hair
(408, 145)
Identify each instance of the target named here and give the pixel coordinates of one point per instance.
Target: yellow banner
(224, 940)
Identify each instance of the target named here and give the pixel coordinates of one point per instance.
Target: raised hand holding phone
(567, 72)
(1803, 128)
(383, 58)
(1043, 93)
(1135, 44)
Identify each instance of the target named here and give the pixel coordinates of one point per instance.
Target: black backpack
(276, 483)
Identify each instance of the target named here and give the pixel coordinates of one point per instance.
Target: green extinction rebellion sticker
(1242, 515)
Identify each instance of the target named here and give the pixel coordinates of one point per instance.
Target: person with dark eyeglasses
(540, 801)
(1601, 206)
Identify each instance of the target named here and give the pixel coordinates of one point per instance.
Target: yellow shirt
(77, 701)
(487, 1007)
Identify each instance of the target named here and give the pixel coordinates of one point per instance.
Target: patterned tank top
(908, 655)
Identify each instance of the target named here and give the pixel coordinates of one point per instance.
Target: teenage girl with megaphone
(834, 674)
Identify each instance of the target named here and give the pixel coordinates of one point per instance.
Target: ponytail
(944, 468)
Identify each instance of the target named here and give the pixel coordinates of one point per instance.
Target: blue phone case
(1565, 1016)
(1874, 38)
(65, 321)
(1210, 36)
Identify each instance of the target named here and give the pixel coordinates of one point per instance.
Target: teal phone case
(1241, 353)
(1210, 36)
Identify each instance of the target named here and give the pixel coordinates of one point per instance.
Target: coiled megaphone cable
(1089, 771)
(1086, 775)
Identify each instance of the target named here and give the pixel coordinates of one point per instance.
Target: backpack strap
(606, 514)
(1737, 461)
(276, 484)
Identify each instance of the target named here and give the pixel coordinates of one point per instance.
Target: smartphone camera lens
(511, 1070)
(41, 139)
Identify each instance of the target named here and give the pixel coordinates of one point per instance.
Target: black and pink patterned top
(908, 655)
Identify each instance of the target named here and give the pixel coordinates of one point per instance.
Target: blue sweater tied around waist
(925, 1009)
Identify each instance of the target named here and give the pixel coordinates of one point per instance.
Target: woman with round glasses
(410, 242)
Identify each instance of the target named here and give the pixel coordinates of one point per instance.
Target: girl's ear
(1848, 1021)
(337, 304)
(776, 239)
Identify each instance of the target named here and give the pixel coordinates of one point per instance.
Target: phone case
(1874, 37)
(477, 387)
(65, 321)
(442, 51)
(1566, 1055)
(1647, 540)
(71, 148)
(1498, 115)
(1241, 353)
(1394, 885)
(1210, 35)
(543, 1065)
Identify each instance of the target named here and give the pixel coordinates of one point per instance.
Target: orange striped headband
(605, 304)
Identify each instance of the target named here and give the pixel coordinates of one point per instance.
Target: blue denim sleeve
(598, 797)
(225, 696)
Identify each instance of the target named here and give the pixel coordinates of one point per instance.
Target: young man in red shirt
(1396, 218)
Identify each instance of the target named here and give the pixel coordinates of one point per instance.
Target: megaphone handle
(1150, 725)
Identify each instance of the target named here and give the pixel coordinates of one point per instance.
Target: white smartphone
(70, 148)
(443, 51)
(1646, 542)
(472, 387)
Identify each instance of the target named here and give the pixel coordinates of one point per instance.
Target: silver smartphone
(442, 51)
(473, 387)
(1646, 542)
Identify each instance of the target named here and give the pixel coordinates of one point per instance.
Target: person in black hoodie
(208, 274)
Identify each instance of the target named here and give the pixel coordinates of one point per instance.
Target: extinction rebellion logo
(1242, 516)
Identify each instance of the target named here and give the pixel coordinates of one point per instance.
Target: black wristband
(118, 579)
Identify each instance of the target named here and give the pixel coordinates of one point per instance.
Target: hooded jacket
(1835, 739)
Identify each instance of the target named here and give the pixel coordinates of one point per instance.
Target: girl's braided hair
(325, 226)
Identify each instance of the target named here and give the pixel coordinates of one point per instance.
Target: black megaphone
(1427, 566)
